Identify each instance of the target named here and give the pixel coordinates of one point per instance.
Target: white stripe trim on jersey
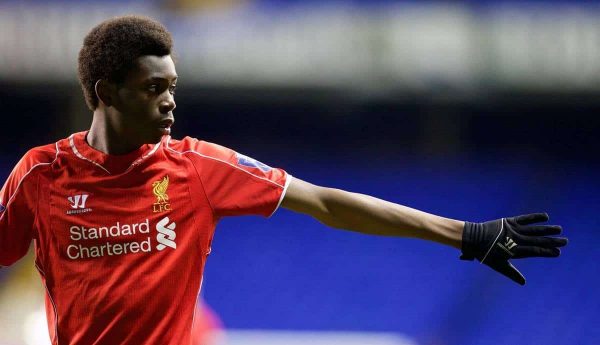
(57, 150)
(196, 303)
(139, 160)
(222, 161)
(288, 180)
(136, 162)
(12, 196)
(53, 306)
(76, 152)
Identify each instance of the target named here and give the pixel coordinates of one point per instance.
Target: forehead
(151, 66)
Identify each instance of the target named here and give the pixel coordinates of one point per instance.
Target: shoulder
(33, 161)
(210, 157)
(199, 148)
(35, 157)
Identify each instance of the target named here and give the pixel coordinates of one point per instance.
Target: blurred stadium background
(468, 109)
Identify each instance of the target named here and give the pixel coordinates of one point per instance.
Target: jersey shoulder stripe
(37, 155)
(189, 144)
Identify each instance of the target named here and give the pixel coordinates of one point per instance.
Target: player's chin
(155, 135)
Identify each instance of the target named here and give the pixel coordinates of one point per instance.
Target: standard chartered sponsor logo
(80, 236)
(166, 234)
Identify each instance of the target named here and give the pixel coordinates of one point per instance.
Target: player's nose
(167, 105)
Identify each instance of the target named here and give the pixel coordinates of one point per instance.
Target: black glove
(495, 242)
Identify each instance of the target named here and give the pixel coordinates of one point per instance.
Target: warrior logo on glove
(523, 239)
(508, 245)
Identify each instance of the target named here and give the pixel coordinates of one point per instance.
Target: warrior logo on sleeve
(251, 162)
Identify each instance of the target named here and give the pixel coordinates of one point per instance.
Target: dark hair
(111, 48)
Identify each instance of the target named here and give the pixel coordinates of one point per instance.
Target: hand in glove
(495, 242)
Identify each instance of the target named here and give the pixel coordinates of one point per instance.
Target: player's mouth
(164, 126)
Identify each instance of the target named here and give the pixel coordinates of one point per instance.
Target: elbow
(328, 213)
(321, 203)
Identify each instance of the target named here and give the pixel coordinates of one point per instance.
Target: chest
(149, 214)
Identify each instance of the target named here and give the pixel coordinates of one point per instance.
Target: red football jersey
(121, 241)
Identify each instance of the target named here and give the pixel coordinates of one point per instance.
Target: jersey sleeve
(17, 210)
(236, 184)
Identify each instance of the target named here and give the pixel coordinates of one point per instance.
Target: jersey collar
(111, 164)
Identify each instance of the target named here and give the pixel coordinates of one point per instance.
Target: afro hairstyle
(110, 49)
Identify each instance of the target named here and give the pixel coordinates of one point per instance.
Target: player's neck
(103, 137)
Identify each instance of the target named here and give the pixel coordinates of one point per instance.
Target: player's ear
(105, 91)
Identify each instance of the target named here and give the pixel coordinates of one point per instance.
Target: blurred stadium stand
(469, 109)
(467, 48)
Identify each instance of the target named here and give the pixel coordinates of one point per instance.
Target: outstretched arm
(362, 213)
(492, 243)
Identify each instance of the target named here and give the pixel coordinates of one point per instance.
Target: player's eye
(153, 88)
(172, 89)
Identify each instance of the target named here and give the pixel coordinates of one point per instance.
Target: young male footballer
(122, 215)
